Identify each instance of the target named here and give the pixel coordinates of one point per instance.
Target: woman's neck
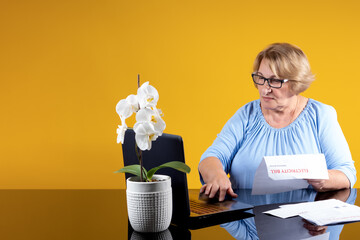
(285, 115)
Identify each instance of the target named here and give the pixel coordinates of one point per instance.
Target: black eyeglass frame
(268, 80)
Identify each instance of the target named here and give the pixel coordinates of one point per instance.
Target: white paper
(288, 172)
(291, 210)
(321, 213)
(346, 213)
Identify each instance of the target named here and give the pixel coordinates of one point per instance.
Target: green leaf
(133, 169)
(180, 166)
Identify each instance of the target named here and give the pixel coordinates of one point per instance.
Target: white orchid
(121, 133)
(148, 127)
(123, 108)
(147, 95)
(152, 115)
(144, 134)
(149, 123)
(133, 101)
(126, 107)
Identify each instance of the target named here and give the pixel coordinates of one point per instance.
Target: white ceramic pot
(149, 204)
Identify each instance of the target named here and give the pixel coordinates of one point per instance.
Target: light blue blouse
(246, 138)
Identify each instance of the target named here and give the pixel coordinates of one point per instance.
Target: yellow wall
(65, 64)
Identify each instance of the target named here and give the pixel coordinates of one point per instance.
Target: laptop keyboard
(204, 208)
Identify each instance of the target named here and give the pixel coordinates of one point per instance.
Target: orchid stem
(138, 151)
(139, 156)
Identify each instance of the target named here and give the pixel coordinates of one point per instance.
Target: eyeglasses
(274, 83)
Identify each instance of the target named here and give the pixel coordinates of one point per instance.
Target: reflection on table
(102, 214)
(263, 226)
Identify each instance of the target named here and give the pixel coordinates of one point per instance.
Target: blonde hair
(287, 61)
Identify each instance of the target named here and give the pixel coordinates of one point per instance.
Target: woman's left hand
(337, 180)
(318, 184)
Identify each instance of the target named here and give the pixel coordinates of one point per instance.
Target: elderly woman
(281, 122)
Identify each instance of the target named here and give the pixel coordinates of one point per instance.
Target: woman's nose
(266, 89)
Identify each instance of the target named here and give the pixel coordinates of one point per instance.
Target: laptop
(190, 209)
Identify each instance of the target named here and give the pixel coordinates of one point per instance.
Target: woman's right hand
(217, 184)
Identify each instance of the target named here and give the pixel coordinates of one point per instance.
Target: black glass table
(102, 214)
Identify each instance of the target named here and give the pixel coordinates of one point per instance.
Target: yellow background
(65, 64)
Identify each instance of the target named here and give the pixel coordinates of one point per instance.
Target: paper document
(347, 213)
(321, 213)
(285, 173)
(291, 210)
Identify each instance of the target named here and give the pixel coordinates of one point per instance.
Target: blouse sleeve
(228, 141)
(333, 144)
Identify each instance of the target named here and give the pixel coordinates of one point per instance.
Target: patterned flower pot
(149, 204)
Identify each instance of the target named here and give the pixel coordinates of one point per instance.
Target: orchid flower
(152, 115)
(144, 134)
(121, 133)
(147, 95)
(133, 101)
(126, 107)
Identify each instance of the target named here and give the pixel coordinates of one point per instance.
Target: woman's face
(273, 98)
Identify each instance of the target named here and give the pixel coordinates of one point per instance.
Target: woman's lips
(267, 98)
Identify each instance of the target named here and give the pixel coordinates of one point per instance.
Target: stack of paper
(321, 213)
